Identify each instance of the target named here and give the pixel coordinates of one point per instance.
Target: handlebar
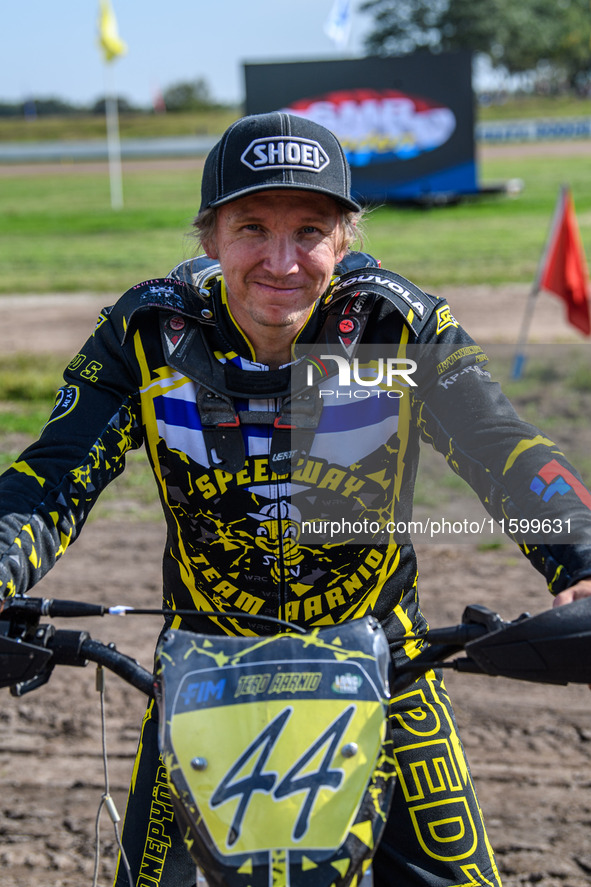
(123, 666)
(29, 651)
(551, 647)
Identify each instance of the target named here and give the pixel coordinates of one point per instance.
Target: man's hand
(574, 593)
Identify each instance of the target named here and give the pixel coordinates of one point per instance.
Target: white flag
(338, 23)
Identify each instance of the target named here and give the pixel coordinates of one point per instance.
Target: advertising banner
(406, 124)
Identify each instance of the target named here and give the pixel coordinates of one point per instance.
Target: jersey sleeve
(48, 492)
(521, 476)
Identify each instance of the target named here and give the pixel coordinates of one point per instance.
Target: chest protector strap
(288, 399)
(293, 425)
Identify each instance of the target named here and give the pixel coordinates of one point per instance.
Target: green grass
(26, 378)
(212, 122)
(530, 106)
(92, 126)
(28, 384)
(554, 393)
(58, 232)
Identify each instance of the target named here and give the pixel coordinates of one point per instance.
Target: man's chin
(280, 319)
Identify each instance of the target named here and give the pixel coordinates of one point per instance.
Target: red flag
(158, 102)
(563, 270)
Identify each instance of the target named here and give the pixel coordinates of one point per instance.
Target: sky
(49, 47)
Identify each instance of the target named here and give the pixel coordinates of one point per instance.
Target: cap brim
(285, 186)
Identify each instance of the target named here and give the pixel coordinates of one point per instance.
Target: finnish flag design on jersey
(349, 429)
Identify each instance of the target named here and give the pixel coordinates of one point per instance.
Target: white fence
(543, 130)
(198, 146)
(96, 149)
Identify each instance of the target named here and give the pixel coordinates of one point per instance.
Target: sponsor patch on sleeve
(445, 318)
(65, 401)
(473, 352)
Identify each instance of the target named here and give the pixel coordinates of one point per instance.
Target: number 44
(294, 781)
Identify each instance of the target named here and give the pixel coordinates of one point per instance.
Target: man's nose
(281, 256)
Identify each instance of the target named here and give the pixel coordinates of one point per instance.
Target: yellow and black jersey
(286, 493)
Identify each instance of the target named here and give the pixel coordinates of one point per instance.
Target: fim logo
(200, 692)
(347, 683)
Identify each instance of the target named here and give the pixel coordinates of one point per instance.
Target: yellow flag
(109, 40)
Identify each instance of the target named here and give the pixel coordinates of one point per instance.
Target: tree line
(547, 39)
(192, 95)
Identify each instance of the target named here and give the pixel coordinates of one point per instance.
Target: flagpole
(113, 140)
(112, 47)
(520, 356)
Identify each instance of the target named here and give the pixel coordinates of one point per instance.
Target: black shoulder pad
(415, 306)
(200, 271)
(353, 261)
(165, 294)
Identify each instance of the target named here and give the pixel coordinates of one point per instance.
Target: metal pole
(519, 359)
(113, 142)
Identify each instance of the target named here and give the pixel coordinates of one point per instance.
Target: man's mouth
(278, 287)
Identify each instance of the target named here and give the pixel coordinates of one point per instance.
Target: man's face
(277, 251)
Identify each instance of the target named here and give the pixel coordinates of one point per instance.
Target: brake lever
(477, 621)
(39, 680)
(478, 614)
(43, 635)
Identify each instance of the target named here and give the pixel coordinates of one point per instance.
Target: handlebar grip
(66, 647)
(31, 608)
(69, 609)
(457, 635)
(122, 665)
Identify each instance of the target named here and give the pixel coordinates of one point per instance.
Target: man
(216, 370)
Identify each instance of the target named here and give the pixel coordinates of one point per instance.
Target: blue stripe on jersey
(346, 416)
(358, 413)
(173, 411)
(184, 414)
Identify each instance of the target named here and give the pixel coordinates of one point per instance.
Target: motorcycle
(277, 748)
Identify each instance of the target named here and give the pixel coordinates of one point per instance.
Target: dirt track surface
(529, 745)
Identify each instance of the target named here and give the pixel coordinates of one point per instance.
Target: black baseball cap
(278, 150)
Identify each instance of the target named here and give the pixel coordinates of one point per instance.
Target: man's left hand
(574, 593)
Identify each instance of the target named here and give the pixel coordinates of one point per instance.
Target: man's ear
(210, 248)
